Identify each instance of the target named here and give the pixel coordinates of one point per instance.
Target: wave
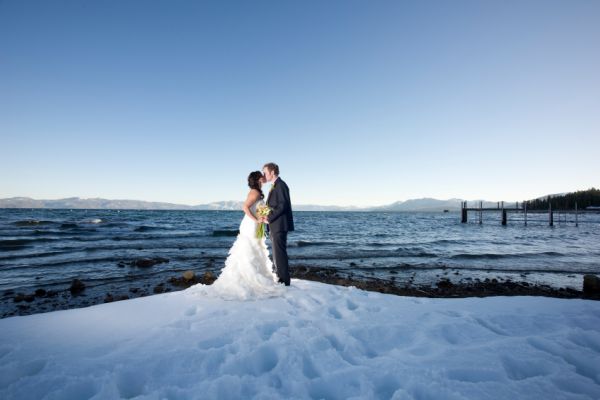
(496, 256)
(168, 236)
(115, 224)
(114, 260)
(18, 244)
(69, 225)
(225, 232)
(146, 228)
(32, 222)
(34, 255)
(446, 241)
(306, 243)
(414, 252)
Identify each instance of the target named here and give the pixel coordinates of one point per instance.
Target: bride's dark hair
(254, 182)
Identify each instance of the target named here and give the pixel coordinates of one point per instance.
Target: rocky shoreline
(78, 295)
(445, 288)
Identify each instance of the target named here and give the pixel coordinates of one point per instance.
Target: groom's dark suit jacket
(281, 218)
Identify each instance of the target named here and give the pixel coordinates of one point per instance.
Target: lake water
(44, 248)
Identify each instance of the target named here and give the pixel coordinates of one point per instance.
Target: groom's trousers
(280, 256)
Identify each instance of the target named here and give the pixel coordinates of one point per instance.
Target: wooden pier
(518, 208)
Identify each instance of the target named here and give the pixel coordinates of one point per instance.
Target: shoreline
(444, 288)
(16, 303)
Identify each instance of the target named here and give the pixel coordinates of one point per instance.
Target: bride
(248, 271)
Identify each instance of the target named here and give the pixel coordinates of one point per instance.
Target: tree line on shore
(583, 198)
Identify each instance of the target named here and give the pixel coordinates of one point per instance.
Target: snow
(317, 341)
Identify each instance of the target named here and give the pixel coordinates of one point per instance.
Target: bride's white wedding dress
(248, 271)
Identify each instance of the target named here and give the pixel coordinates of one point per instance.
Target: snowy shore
(318, 341)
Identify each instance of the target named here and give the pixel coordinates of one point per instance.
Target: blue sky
(359, 102)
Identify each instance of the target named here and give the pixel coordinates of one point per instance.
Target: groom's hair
(272, 167)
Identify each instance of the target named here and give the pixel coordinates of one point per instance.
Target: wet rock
(591, 285)
(189, 275)
(19, 298)
(29, 298)
(444, 284)
(133, 290)
(208, 278)
(124, 297)
(40, 293)
(77, 286)
(109, 298)
(158, 288)
(149, 262)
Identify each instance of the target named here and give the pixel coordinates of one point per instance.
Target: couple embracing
(248, 271)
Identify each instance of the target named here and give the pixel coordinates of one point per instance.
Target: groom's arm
(282, 201)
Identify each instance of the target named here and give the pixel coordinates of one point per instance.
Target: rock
(40, 293)
(444, 284)
(77, 286)
(208, 278)
(29, 298)
(188, 275)
(591, 285)
(124, 297)
(148, 262)
(109, 298)
(133, 290)
(19, 298)
(158, 289)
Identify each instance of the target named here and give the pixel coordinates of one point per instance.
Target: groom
(280, 220)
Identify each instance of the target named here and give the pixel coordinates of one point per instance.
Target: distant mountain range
(424, 204)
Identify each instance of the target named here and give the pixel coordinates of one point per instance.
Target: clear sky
(359, 102)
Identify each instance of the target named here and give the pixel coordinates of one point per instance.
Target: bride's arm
(253, 196)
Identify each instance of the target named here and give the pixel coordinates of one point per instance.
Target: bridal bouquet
(262, 210)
